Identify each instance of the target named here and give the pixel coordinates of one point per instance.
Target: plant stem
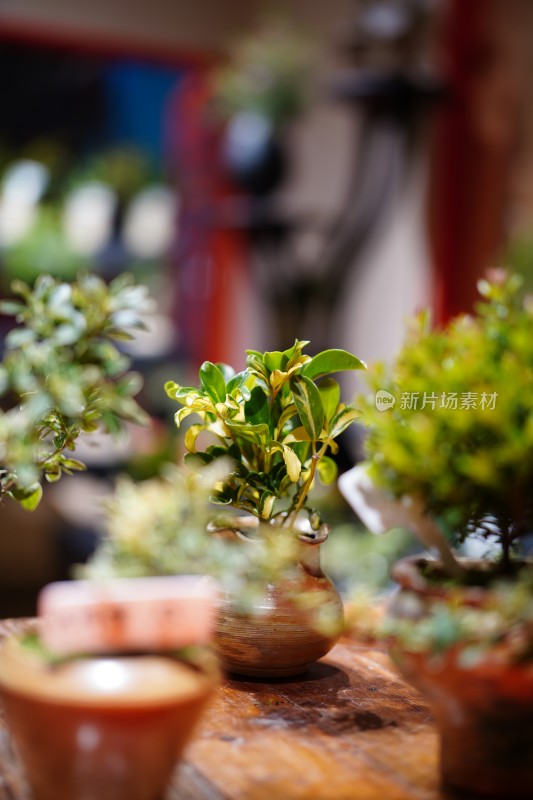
(315, 458)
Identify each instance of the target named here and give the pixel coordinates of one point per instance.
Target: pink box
(127, 614)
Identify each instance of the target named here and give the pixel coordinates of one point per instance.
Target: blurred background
(272, 171)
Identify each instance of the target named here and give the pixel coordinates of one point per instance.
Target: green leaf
(309, 404)
(237, 382)
(288, 413)
(275, 360)
(256, 409)
(212, 381)
(327, 469)
(52, 474)
(73, 464)
(187, 394)
(343, 420)
(195, 460)
(255, 365)
(296, 350)
(119, 336)
(257, 434)
(331, 361)
(227, 371)
(28, 498)
(330, 392)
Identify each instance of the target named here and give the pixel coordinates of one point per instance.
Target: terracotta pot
(483, 709)
(280, 638)
(100, 727)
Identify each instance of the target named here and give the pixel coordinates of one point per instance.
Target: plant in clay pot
(102, 697)
(273, 424)
(451, 459)
(63, 375)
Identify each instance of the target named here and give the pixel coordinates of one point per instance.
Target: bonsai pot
(280, 636)
(482, 695)
(101, 727)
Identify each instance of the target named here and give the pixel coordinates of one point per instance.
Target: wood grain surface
(349, 729)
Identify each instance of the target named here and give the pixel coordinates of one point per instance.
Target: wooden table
(350, 729)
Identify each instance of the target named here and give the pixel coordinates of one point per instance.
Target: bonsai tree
(275, 423)
(449, 453)
(63, 374)
(459, 435)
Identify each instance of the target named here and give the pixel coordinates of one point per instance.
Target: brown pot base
(106, 728)
(280, 640)
(484, 709)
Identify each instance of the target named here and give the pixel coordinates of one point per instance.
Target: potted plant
(260, 89)
(273, 424)
(63, 375)
(449, 454)
(103, 696)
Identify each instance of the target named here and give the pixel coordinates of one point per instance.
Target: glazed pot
(100, 727)
(483, 707)
(281, 637)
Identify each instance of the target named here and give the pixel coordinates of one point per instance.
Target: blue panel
(137, 97)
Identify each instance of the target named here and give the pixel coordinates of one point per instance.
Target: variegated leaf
(309, 404)
(180, 415)
(343, 420)
(297, 435)
(293, 464)
(266, 504)
(191, 435)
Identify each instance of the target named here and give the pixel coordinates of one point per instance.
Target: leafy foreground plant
(274, 422)
(63, 375)
(159, 527)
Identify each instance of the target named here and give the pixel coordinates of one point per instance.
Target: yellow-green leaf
(191, 436)
(327, 469)
(293, 464)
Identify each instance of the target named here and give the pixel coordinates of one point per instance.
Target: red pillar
(473, 144)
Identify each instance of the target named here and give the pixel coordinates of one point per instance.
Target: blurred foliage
(470, 465)
(63, 374)
(274, 422)
(160, 527)
(518, 255)
(126, 170)
(43, 250)
(267, 73)
(504, 618)
(358, 560)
